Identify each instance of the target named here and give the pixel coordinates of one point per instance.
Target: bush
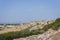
(37, 24)
(57, 20)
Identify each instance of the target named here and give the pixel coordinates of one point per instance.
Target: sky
(21, 11)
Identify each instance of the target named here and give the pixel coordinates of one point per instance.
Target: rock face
(49, 35)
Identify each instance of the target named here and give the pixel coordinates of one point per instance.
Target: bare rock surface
(55, 36)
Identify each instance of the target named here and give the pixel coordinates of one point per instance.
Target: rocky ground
(49, 35)
(29, 25)
(55, 37)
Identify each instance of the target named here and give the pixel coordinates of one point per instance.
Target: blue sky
(19, 11)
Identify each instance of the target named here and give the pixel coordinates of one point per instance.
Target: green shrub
(37, 24)
(57, 20)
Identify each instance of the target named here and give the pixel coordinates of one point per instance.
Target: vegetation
(25, 33)
(37, 24)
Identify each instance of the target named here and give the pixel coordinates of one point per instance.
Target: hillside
(30, 25)
(39, 30)
(51, 34)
